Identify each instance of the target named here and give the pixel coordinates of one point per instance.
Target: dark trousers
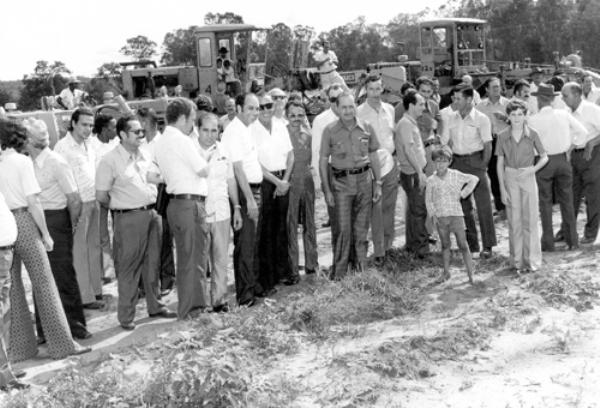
(586, 183)
(302, 203)
(273, 239)
(353, 196)
(492, 171)
(61, 263)
(473, 164)
(136, 254)
(245, 252)
(417, 237)
(187, 219)
(167, 263)
(556, 178)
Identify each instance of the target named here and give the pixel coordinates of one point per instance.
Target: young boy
(445, 188)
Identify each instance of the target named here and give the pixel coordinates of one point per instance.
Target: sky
(85, 34)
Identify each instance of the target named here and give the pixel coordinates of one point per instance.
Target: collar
(410, 119)
(357, 123)
(41, 158)
(127, 155)
(488, 102)
(471, 114)
(579, 109)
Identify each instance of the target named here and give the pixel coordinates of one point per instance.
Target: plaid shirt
(442, 195)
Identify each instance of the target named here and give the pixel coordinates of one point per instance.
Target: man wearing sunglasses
(280, 99)
(121, 185)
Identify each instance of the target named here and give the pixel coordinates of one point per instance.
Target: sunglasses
(266, 106)
(139, 132)
(279, 97)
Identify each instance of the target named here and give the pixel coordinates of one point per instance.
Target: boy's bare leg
(446, 255)
(461, 240)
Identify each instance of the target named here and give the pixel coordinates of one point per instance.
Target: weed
(563, 289)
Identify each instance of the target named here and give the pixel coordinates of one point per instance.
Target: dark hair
(204, 103)
(557, 82)
(240, 100)
(102, 120)
(295, 95)
(203, 115)
(410, 98)
(148, 114)
(519, 85)
(372, 78)
(455, 89)
(344, 94)
(488, 81)
(514, 105)
(77, 113)
(441, 152)
(123, 124)
(226, 63)
(424, 81)
(178, 107)
(333, 87)
(467, 91)
(405, 86)
(294, 104)
(12, 134)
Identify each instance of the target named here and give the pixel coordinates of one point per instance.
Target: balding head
(571, 94)
(37, 133)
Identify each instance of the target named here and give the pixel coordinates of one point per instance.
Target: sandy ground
(542, 357)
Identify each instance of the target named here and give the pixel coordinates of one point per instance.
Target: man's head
(296, 114)
(105, 126)
(425, 87)
(181, 114)
(221, 87)
(521, 90)
(248, 107)
(436, 85)
(572, 94)
(178, 91)
(230, 106)
(204, 103)
(374, 87)
(414, 103)
(37, 134)
(536, 75)
(405, 87)
(279, 99)
(266, 108)
(108, 97)
(74, 84)
(587, 83)
(13, 134)
(346, 107)
(467, 80)
(82, 123)
(208, 129)
(442, 157)
(493, 87)
(464, 98)
(516, 111)
(130, 132)
(148, 118)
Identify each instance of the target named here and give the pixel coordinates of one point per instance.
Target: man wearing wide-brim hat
(559, 131)
(70, 97)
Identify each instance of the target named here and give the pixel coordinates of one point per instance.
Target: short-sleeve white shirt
(17, 178)
(238, 141)
(220, 170)
(82, 160)
(557, 129)
(8, 226)
(588, 114)
(319, 124)
(70, 99)
(468, 135)
(273, 147)
(55, 178)
(382, 122)
(179, 162)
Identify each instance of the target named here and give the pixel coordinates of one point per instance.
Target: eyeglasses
(139, 132)
(266, 106)
(279, 97)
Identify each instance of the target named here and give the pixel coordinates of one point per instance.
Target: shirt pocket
(364, 145)
(337, 148)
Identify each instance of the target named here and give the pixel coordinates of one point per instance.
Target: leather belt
(348, 172)
(579, 149)
(4, 248)
(144, 208)
(195, 197)
(468, 155)
(19, 210)
(254, 186)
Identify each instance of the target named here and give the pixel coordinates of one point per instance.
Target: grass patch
(558, 290)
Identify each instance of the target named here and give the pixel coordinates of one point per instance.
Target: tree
(223, 18)
(110, 69)
(139, 48)
(279, 48)
(46, 79)
(5, 96)
(180, 47)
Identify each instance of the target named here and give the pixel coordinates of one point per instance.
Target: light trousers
(87, 253)
(218, 245)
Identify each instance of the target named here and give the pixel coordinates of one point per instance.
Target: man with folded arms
(185, 171)
(122, 185)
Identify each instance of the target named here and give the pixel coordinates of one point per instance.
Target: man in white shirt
(585, 159)
(184, 171)
(231, 113)
(467, 80)
(559, 131)
(221, 190)
(70, 97)
(380, 116)
(280, 99)
(238, 141)
(522, 92)
(79, 153)
(590, 92)
(276, 157)
(62, 207)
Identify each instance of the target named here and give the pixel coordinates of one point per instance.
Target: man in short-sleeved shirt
(70, 97)
(351, 147)
(122, 184)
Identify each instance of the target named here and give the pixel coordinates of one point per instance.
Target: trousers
(87, 253)
(218, 244)
(384, 211)
(417, 237)
(302, 204)
(586, 183)
(6, 257)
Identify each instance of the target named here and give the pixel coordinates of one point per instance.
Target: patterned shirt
(442, 194)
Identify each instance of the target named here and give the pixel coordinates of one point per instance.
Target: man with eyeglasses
(350, 146)
(121, 185)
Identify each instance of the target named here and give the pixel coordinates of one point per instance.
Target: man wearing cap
(494, 107)
(121, 185)
(185, 171)
(70, 97)
(558, 132)
(380, 116)
(62, 206)
(351, 145)
(79, 153)
(585, 159)
(280, 99)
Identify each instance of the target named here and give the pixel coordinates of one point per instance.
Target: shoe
(223, 308)
(167, 314)
(249, 303)
(14, 385)
(82, 335)
(41, 340)
(165, 292)
(106, 280)
(291, 281)
(97, 305)
(500, 216)
(128, 326)
(432, 240)
(379, 261)
(82, 350)
(547, 249)
(587, 240)
(559, 237)
(572, 247)
(486, 253)
(310, 271)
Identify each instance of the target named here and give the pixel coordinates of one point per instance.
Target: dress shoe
(291, 281)
(167, 314)
(559, 237)
(587, 240)
(547, 249)
(249, 303)
(486, 253)
(572, 247)
(82, 350)
(379, 261)
(310, 271)
(128, 326)
(41, 340)
(266, 293)
(99, 298)
(223, 308)
(165, 292)
(94, 305)
(82, 335)
(500, 216)
(14, 385)
(432, 240)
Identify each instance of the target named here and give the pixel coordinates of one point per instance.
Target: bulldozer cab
(452, 47)
(225, 55)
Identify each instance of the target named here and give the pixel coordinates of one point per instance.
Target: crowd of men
(180, 193)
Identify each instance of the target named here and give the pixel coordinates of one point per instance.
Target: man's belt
(254, 186)
(468, 155)
(195, 197)
(144, 208)
(348, 172)
(581, 149)
(6, 247)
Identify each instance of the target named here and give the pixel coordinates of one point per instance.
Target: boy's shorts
(448, 225)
